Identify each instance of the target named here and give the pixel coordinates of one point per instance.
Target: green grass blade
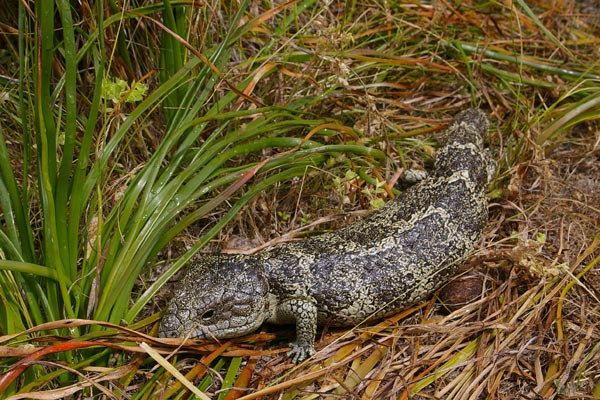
(233, 370)
(583, 110)
(63, 184)
(529, 12)
(530, 62)
(29, 268)
(24, 225)
(47, 133)
(10, 199)
(172, 57)
(46, 130)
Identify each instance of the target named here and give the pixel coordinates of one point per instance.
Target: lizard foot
(299, 352)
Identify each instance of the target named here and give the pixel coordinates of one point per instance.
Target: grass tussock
(135, 135)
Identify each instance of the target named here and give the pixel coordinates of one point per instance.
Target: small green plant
(118, 90)
(352, 182)
(283, 216)
(375, 193)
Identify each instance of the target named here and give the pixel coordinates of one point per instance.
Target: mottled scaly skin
(372, 268)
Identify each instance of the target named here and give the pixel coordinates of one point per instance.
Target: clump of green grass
(222, 105)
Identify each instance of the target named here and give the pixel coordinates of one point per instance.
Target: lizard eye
(208, 314)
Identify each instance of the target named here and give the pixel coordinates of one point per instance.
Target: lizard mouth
(222, 330)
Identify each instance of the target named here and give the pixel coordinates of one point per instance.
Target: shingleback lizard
(370, 269)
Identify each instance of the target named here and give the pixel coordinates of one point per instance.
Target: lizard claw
(299, 353)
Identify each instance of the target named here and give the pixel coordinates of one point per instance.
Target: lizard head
(221, 296)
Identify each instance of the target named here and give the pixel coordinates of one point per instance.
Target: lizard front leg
(304, 313)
